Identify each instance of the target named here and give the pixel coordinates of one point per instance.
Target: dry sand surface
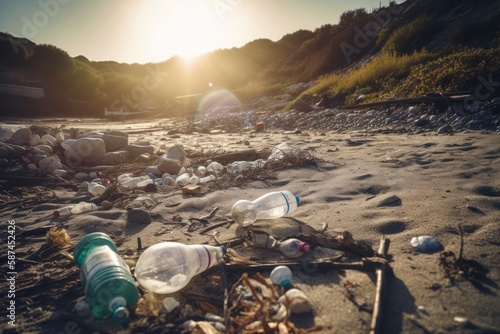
(442, 181)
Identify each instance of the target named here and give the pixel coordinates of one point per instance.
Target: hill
(437, 44)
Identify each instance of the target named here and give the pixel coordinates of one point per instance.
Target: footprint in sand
(488, 191)
(391, 227)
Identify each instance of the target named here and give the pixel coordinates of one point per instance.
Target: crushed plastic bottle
(294, 248)
(426, 244)
(168, 267)
(106, 278)
(215, 168)
(269, 206)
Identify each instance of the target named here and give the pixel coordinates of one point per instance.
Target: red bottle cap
(56, 214)
(304, 247)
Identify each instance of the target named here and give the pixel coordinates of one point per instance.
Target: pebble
(21, 137)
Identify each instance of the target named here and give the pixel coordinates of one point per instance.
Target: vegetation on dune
(404, 50)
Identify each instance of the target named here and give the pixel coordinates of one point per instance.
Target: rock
(44, 148)
(136, 150)
(106, 205)
(21, 137)
(150, 188)
(172, 161)
(445, 130)
(191, 189)
(389, 200)
(114, 143)
(5, 135)
(138, 216)
(85, 150)
(48, 165)
(38, 157)
(302, 106)
(297, 301)
(115, 158)
(32, 167)
(170, 166)
(38, 130)
(48, 140)
(35, 140)
(421, 122)
(153, 170)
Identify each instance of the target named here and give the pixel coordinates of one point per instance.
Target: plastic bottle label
(287, 200)
(204, 257)
(99, 259)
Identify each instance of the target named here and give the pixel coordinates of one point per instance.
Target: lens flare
(218, 100)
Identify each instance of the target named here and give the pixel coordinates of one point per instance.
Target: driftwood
(246, 155)
(381, 273)
(449, 97)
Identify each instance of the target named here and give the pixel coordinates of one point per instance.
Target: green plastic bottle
(106, 278)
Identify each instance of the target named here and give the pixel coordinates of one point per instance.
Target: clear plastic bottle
(66, 211)
(215, 168)
(269, 206)
(282, 276)
(168, 267)
(106, 278)
(294, 247)
(83, 207)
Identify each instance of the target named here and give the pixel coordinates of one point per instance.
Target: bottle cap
(304, 247)
(224, 249)
(286, 284)
(120, 314)
(297, 199)
(56, 213)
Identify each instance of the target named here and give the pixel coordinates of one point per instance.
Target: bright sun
(191, 28)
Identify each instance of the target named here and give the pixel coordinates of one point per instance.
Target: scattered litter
(426, 244)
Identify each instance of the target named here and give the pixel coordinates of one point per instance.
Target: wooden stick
(375, 326)
(363, 266)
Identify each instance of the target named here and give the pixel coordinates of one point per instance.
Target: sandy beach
(434, 182)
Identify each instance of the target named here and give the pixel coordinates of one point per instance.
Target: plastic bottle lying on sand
(168, 267)
(106, 278)
(294, 248)
(83, 207)
(66, 211)
(269, 206)
(282, 276)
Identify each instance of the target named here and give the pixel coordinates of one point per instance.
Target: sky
(142, 31)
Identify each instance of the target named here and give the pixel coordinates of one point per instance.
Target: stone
(38, 157)
(21, 137)
(114, 143)
(48, 140)
(115, 158)
(153, 170)
(297, 301)
(191, 189)
(44, 148)
(170, 166)
(48, 165)
(136, 150)
(5, 135)
(445, 130)
(85, 150)
(389, 200)
(38, 130)
(302, 106)
(138, 216)
(82, 176)
(35, 140)
(421, 122)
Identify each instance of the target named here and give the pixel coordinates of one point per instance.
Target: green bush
(411, 37)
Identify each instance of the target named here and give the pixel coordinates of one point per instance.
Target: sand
(441, 180)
